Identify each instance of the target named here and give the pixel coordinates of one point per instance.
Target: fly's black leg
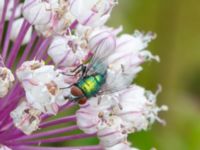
(77, 70)
(79, 66)
(63, 73)
(84, 71)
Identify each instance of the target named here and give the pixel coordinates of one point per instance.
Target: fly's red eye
(76, 91)
(82, 101)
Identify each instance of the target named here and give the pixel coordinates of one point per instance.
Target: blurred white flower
(6, 81)
(17, 24)
(26, 118)
(3, 147)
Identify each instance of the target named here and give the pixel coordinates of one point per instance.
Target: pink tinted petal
(37, 12)
(87, 120)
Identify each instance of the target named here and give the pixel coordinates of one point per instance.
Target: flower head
(56, 46)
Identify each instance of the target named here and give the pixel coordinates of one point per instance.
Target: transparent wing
(116, 81)
(98, 63)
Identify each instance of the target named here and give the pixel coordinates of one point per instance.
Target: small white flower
(26, 70)
(139, 110)
(66, 51)
(91, 116)
(16, 29)
(112, 133)
(37, 12)
(49, 17)
(130, 51)
(42, 84)
(92, 12)
(26, 118)
(96, 117)
(56, 26)
(6, 81)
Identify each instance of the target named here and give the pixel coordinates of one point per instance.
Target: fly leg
(79, 69)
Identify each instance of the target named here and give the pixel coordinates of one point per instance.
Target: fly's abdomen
(91, 85)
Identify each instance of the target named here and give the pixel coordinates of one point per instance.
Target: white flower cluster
(42, 85)
(79, 32)
(117, 115)
(55, 16)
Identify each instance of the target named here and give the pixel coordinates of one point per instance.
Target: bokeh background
(177, 24)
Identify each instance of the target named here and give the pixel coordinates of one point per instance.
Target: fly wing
(101, 51)
(117, 81)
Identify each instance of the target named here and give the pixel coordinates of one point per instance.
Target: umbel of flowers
(41, 42)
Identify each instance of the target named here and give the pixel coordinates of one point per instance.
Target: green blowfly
(92, 81)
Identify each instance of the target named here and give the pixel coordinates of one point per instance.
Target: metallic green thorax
(90, 85)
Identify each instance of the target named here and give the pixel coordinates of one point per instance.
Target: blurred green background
(177, 24)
